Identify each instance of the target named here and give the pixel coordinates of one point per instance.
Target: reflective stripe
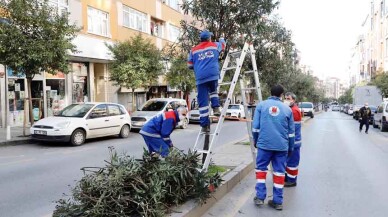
(189, 64)
(278, 174)
(277, 185)
(261, 170)
(204, 114)
(298, 142)
(255, 130)
(213, 95)
(166, 139)
(291, 176)
(291, 135)
(205, 49)
(297, 122)
(149, 134)
(292, 168)
(203, 108)
(260, 180)
(164, 116)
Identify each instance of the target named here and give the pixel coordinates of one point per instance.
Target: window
(98, 22)
(156, 28)
(61, 5)
(173, 3)
(99, 111)
(114, 110)
(134, 19)
(174, 33)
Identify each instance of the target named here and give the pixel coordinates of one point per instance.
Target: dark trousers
(205, 91)
(364, 122)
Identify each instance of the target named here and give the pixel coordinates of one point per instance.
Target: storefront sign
(17, 87)
(11, 73)
(59, 75)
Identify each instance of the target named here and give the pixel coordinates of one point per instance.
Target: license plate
(40, 132)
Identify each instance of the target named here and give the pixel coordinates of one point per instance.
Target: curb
(231, 179)
(15, 142)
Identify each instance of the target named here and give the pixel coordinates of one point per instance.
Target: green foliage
(179, 75)
(36, 38)
(381, 81)
(147, 187)
(347, 97)
(137, 63)
(214, 169)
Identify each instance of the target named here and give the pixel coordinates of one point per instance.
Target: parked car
(307, 108)
(381, 116)
(235, 111)
(78, 122)
(350, 110)
(373, 110)
(335, 108)
(193, 116)
(154, 107)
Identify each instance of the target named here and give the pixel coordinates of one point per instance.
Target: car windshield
(306, 105)
(76, 110)
(154, 106)
(373, 108)
(234, 107)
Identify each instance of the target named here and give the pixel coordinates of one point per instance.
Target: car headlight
(63, 125)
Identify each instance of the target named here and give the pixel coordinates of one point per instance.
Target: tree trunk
(133, 100)
(29, 80)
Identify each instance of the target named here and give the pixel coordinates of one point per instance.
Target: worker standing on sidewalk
(203, 58)
(156, 132)
(294, 158)
(273, 134)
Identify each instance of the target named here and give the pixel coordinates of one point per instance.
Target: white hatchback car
(78, 122)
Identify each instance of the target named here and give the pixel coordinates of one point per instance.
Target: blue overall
(292, 167)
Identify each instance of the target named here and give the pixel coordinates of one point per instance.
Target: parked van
(381, 116)
(154, 107)
(307, 108)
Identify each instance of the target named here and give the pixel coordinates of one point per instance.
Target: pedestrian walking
(156, 132)
(365, 114)
(294, 158)
(274, 135)
(203, 58)
(193, 104)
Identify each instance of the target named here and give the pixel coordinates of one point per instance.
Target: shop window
(80, 83)
(55, 92)
(16, 97)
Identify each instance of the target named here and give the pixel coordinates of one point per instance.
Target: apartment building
(102, 22)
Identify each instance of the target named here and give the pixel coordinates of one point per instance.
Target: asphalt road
(34, 176)
(342, 173)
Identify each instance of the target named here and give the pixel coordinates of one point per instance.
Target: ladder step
(249, 88)
(248, 72)
(230, 68)
(224, 83)
(204, 151)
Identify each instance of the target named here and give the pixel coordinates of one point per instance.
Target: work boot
(205, 129)
(217, 111)
(366, 132)
(289, 184)
(275, 206)
(257, 201)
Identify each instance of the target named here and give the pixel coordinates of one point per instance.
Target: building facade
(102, 22)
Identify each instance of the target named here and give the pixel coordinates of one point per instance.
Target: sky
(325, 31)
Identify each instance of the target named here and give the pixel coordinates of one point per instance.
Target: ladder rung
(204, 151)
(229, 68)
(210, 134)
(248, 72)
(249, 88)
(224, 83)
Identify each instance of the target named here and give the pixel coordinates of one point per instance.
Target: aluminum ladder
(234, 61)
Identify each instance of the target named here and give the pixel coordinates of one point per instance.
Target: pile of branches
(131, 187)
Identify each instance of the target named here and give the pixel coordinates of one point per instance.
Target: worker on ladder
(203, 58)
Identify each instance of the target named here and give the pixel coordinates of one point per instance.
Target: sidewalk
(16, 136)
(235, 155)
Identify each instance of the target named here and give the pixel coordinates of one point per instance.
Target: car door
(116, 119)
(378, 115)
(98, 121)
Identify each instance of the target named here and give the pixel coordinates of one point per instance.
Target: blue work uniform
(294, 158)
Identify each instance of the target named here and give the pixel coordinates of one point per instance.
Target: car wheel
(78, 137)
(382, 128)
(239, 115)
(374, 124)
(312, 115)
(124, 132)
(185, 123)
